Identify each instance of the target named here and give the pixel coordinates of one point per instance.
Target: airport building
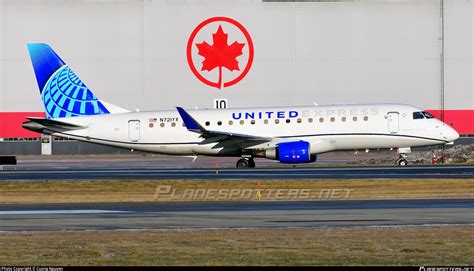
(157, 54)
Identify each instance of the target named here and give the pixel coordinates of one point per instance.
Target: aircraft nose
(451, 134)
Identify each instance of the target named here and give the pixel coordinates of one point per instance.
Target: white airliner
(287, 134)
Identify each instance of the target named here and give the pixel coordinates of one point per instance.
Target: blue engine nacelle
(294, 152)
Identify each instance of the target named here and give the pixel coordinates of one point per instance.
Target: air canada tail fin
(62, 92)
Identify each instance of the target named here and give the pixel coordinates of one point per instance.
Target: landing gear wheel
(243, 163)
(251, 163)
(402, 162)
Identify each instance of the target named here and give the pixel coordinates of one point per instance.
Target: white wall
(459, 54)
(133, 53)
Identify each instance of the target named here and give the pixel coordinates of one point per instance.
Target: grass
(321, 246)
(432, 246)
(132, 191)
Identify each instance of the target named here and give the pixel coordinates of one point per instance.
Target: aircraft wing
(194, 126)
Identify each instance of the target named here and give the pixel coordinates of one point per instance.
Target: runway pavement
(250, 214)
(149, 173)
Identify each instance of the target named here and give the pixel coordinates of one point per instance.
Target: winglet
(190, 122)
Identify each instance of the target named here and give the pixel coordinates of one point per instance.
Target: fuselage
(326, 128)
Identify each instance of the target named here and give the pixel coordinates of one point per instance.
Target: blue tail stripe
(77, 107)
(96, 107)
(71, 88)
(62, 101)
(71, 105)
(62, 82)
(62, 114)
(67, 86)
(84, 95)
(89, 107)
(57, 95)
(53, 92)
(57, 111)
(66, 103)
(76, 93)
(83, 108)
(47, 100)
(49, 106)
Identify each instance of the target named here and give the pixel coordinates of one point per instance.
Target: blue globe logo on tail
(64, 95)
(62, 92)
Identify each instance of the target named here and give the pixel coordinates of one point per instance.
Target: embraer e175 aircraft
(287, 134)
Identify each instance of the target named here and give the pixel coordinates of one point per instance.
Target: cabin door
(393, 122)
(134, 130)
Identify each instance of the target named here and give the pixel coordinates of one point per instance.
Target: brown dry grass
(347, 246)
(129, 191)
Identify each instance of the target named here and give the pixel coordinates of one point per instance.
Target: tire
(251, 163)
(402, 162)
(242, 163)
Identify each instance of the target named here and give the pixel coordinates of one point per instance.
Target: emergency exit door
(393, 122)
(134, 130)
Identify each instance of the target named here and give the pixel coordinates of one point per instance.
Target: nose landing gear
(402, 156)
(401, 161)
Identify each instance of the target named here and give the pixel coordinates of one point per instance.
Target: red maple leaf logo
(220, 54)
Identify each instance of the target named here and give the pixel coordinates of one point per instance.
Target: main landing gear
(245, 162)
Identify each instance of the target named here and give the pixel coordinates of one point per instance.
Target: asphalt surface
(411, 172)
(250, 214)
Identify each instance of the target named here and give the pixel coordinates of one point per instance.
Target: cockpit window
(428, 115)
(418, 115)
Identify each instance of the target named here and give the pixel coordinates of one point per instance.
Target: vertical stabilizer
(62, 92)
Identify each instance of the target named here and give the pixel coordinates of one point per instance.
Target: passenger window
(252, 122)
(241, 122)
(150, 125)
(298, 120)
(428, 115)
(354, 118)
(219, 123)
(321, 119)
(366, 118)
(343, 119)
(310, 120)
(288, 120)
(207, 123)
(231, 122)
(333, 119)
(162, 125)
(277, 121)
(265, 121)
(173, 124)
(184, 125)
(418, 115)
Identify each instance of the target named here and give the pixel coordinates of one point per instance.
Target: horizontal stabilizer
(40, 124)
